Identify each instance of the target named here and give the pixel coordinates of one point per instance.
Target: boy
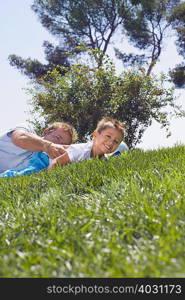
(107, 136)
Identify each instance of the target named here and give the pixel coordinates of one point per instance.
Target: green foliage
(35, 69)
(84, 95)
(118, 218)
(146, 25)
(178, 75)
(177, 18)
(71, 22)
(95, 23)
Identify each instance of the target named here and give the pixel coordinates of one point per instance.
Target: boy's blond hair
(68, 127)
(110, 122)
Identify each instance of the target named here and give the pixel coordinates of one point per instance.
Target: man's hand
(54, 150)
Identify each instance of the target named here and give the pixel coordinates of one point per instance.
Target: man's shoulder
(21, 126)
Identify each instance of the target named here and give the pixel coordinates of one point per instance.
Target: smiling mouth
(107, 147)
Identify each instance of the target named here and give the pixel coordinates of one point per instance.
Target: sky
(22, 34)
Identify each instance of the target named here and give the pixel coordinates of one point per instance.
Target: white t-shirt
(78, 152)
(11, 156)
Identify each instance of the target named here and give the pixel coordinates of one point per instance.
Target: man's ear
(46, 131)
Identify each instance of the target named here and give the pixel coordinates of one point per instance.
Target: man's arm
(33, 142)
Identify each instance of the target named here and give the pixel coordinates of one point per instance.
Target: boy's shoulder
(80, 146)
(79, 151)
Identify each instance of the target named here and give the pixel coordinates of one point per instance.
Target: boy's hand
(53, 164)
(59, 161)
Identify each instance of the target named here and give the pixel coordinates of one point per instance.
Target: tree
(147, 26)
(177, 19)
(84, 95)
(81, 95)
(73, 22)
(94, 23)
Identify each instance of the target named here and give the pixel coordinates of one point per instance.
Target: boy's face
(106, 141)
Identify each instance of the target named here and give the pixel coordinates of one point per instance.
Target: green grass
(119, 218)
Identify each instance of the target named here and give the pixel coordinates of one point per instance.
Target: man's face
(58, 136)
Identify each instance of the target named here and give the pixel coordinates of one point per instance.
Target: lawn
(124, 217)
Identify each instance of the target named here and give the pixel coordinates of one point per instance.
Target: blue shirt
(38, 162)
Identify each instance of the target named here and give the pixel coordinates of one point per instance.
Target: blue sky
(22, 34)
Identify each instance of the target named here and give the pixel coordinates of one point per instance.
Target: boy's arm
(60, 160)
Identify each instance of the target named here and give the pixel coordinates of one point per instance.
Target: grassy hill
(119, 218)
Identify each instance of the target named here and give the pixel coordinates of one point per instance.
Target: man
(18, 145)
